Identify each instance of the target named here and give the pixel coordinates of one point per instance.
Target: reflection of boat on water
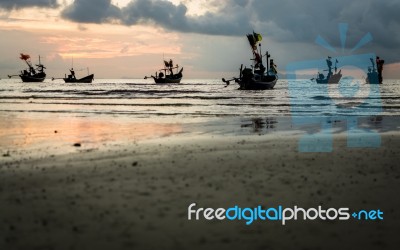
(171, 77)
(258, 77)
(258, 124)
(32, 74)
(330, 77)
(373, 76)
(72, 78)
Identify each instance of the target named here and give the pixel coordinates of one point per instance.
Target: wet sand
(136, 195)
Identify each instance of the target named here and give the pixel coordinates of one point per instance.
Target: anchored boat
(31, 74)
(258, 77)
(374, 75)
(330, 77)
(72, 78)
(167, 75)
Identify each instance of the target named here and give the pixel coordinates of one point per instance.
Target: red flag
(25, 57)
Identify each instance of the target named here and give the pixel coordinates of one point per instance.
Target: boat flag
(166, 64)
(24, 57)
(257, 37)
(252, 41)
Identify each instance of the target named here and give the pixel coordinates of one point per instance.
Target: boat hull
(268, 82)
(372, 78)
(86, 79)
(334, 79)
(173, 78)
(257, 85)
(35, 78)
(167, 80)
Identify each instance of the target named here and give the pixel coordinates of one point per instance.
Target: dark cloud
(304, 20)
(91, 11)
(161, 13)
(19, 4)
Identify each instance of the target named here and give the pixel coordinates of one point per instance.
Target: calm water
(197, 98)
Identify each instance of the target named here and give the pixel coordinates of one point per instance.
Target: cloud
(174, 17)
(19, 4)
(91, 11)
(160, 13)
(285, 21)
(303, 21)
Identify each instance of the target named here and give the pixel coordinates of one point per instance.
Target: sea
(110, 110)
(138, 98)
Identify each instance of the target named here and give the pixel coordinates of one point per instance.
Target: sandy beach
(135, 195)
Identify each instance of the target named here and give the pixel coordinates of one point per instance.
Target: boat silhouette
(330, 78)
(71, 78)
(171, 77)
(373, 76)
(258, 77)
(31, 74)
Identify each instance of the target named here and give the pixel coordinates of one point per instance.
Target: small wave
(116, 92)
(321, 97)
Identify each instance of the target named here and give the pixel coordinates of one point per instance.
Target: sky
(130, 38)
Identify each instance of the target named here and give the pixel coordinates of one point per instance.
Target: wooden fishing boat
(31, 74)
(72, 78)
(330, 78)
(166, 75)
(258, 77)
(373, 76)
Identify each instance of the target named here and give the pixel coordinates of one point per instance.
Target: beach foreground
(136, 196)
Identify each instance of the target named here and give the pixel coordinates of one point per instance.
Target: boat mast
(259, 45)
(28, 63)
(373, 65)
(268, 56)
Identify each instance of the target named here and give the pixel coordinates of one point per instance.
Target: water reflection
(257, 125)
(54, 131)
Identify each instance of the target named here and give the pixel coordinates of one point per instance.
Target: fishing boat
(258, 77)
(31, 74)
(373, 76)
(167, 75)
(72, 78)
(330, 78)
